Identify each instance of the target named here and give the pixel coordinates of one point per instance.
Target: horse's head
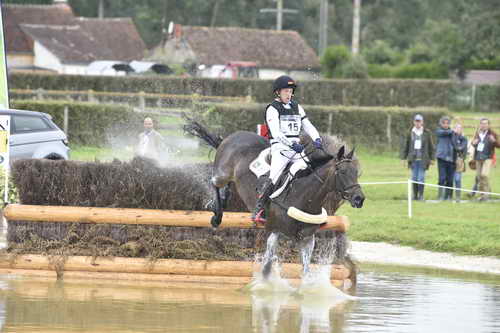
(346, 178)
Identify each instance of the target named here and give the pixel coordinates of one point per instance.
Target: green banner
(4, 91)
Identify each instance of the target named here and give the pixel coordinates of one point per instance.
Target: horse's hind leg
(225, 195)
(306, 251)
(269, 256)
(219, 201)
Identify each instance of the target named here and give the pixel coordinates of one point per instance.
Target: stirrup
(258, 219)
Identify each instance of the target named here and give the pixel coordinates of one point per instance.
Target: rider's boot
(258, 215)
(415, 191)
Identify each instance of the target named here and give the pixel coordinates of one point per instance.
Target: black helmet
(284, 82)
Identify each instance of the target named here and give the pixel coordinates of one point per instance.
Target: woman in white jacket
(284, 118)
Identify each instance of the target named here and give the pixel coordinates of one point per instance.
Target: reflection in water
(314, 311)
(387, 301)
(266, 310)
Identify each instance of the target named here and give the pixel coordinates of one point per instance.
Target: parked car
(34, 135)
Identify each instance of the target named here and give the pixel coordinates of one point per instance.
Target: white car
(34, 135)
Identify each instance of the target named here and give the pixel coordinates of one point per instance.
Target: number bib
(480, 146)
(290, 125)
(418, 144)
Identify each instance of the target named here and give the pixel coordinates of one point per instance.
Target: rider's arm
(307, 125)
(273, 122)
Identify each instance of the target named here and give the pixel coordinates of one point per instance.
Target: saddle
(261, 167)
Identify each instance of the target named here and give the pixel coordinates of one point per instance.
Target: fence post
(142, 101)
(330, 121)
(409, 198)
(389, 124)
(90, 96)
(66, 120)
(39, 94)
(473, 97)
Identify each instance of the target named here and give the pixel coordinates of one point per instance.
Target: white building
(51, 38)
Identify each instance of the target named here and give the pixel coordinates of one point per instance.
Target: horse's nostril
(358, 200)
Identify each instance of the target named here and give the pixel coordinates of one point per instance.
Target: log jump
(173, 218)
(180, 267)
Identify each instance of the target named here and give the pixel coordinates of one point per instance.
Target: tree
(333, 58)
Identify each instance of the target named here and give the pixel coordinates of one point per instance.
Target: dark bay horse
(330, 171)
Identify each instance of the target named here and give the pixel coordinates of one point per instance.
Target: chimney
(63, 4)
(177, 31)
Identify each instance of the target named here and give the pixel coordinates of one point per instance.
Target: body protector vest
(290, 121)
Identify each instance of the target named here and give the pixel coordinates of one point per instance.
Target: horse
(330, 173)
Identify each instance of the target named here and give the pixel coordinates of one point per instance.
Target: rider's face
(286, 95)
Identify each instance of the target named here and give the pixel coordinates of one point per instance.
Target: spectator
(445, 155)
(418, 150)
(484, 142)
(151, 143)
(460, 146)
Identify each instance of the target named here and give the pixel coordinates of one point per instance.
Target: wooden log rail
(181, 267)
(173, 218)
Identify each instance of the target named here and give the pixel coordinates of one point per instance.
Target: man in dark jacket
(445, 154)
(418, 149)
(484, 143)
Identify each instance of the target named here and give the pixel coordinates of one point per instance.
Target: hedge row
(410, 93)
(367, 126)
(88, 124)
(424, 70)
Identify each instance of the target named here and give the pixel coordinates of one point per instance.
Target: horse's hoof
(215, 221)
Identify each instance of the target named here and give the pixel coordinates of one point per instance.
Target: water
(387, 300)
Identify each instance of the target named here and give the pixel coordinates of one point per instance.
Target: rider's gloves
(297, 147)
(318, 143)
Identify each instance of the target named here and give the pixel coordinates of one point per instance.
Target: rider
(284, 118)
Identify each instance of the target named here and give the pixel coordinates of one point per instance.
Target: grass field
(466, 228)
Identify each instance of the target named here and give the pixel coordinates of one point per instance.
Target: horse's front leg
(270, 255)
(306, 251)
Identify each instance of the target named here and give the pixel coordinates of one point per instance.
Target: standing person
(445, 155)
(418, 150)
(460, 146)
(151, 143)
(485, 140)
(284, 118)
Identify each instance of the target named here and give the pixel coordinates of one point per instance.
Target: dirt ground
(387, 254)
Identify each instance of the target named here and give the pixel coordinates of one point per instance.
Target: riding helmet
(284, 82)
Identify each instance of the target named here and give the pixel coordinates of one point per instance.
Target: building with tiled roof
(274, 52)
(50, 37)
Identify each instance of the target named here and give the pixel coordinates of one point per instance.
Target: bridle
(343, 192)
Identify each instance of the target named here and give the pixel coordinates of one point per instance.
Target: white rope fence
(409, 182)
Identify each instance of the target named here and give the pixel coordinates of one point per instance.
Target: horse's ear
(351, 154)
(340, 154)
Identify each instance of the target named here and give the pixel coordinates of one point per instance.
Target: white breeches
(280, 156)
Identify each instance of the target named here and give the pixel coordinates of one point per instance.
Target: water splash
(316, 282)
(274, 282)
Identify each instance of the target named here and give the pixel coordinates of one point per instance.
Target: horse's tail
(194, 128)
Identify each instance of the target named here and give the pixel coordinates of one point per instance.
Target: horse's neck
(315, 191)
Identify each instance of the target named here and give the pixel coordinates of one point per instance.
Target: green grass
(464, 228)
